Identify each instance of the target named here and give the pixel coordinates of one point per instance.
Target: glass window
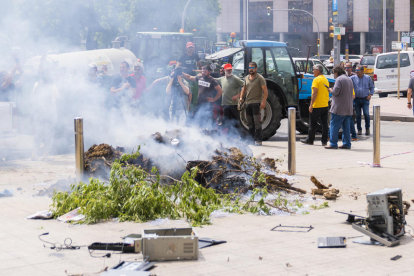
(238, 63)
(391, 61)
(325, 71)
(257, 56)
(259, 21)
(300, 22)
(283, 62)
(368, 60)
(283, 72)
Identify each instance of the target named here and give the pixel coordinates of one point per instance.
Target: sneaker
(359, 132)
(258, 143)
(306, 141)
(324, 144)
(354, 139)
(367, 131)
(343, 147)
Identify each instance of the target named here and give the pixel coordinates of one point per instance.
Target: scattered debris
(72, 216)
(206, 242)
(41, 215)
(286, 228)
(87, 274)
(396, 258)
(260, 258)
(351, 217)
(19, 189)
(288, 265)
(326, 191)
(6, 193)
(407, 206)
(318, 184)
(331, 242)
(331, 194)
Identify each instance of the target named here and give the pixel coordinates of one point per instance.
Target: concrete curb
(394, 118)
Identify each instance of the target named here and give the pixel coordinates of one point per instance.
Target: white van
(386, 70)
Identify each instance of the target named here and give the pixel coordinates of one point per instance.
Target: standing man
(231, 93)
(341, 109)
(256, 92)
(209, 92)
(190, 61)
(318, 107)
(348, 70)
(364, 89)
(92, 76)
(122, 87)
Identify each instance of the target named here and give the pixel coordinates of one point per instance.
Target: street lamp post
(316, 21)
(184, 13)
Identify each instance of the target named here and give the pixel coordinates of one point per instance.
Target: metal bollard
(292, 140)
(377, 158)
(79, 158)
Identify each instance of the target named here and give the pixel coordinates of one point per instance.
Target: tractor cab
(157, 49)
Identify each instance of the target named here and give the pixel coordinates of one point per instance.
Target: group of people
(351, 90)
(190, 90)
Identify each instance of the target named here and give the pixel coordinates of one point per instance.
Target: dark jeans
(253, 120)
(317, 113)
(231, 116)
(364, 105)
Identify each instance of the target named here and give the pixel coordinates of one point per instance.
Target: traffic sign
(398, 45)
(337, 30)
(350, 36)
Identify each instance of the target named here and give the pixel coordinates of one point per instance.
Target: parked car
(322, 58)
(355, 59)
(300, 64)
(368, 61)
(386, 70)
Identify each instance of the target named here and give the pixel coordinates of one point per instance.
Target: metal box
(170, 244)
(387, 205)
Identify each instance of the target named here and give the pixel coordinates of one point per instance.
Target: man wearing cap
(190, 61)
(122, 87)
(140, 80)
(92, 76)
(230, 85)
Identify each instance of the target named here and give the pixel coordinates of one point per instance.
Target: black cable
(107, 255)
(67, 244)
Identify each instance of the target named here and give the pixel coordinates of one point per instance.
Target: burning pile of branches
(139, 189)
(232, 171)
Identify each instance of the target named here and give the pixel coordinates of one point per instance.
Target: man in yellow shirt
(318, 107)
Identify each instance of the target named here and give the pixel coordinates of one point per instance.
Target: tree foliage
(71, 21)
(134, 195)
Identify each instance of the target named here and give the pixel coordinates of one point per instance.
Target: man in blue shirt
(364, 89)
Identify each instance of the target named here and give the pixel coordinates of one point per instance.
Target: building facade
(249, 19)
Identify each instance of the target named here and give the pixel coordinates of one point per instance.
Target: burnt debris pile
(225, 169)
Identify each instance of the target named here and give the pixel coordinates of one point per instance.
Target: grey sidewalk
(251, 248)
(392, 108)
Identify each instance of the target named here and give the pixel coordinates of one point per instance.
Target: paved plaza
(251, 248)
